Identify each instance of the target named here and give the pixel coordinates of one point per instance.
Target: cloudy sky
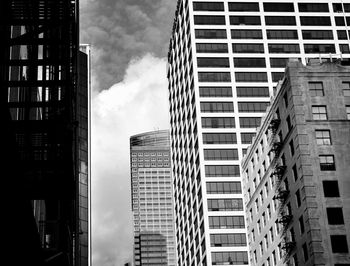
(129, 41)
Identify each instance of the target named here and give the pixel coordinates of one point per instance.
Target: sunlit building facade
(225, 57)
(152, 199)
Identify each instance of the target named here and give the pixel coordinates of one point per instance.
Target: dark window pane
(252, 106)
(319, 48)
(251, 77)
(283, 48)
(243, 6)
(278, 62)
(209, 20)
(277, 20)
(222, 170)
(218, 122)
(249, 122)
(278, 7)
(282, 34)
(335, 216)
(249, 62)
(339, 244)
(315, 21)
(246, 138)
(215, 91)
(219, 138)
(220, 154)
(248, 48)
(214, 76)
(213, 62)
(212, 107)
(246, 34)
(211, 47)
(253, 92)
(330, 188)
(210, 33)
(208, 6)
(313, 7)
(276, 76)
(317, 34)
(245, 20)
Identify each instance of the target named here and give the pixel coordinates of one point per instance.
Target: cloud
(134, 105)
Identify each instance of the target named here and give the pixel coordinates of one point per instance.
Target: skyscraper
(45, 102)
(224, 60)
(296, 171)
(152, 199)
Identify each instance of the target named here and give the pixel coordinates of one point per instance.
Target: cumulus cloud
(134, 105)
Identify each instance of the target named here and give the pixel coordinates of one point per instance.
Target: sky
(129, 40)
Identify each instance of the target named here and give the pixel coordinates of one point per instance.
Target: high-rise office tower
(44, 101)
(152, 199)
(296, 172)
(224, 59)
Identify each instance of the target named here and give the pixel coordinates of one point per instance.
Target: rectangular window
(248, 48)
(301, 225)
(295, 172)
(279, 62)
(346, 88)
(340, 21)
(245, 20)
(316, 88)
(208, 6)
(226, 222)
(213, 62)
(225, 205)
(209, 20)
(339, 244)
(219, 138)
(283, 48)
(276, 76)
(214, 76)
(327, 163)
(335, 216)
(229, 258)
(338, 7)
(220, 154)
(211, 47)
(215, 91)
(315, 21)
(282, 34)
(344, 48)
(278, 7)
(249, 122)
(319, 48)
(291, 148)
(246, 138)
(210, 34)
(218, 122)
(243, 6)
(323, 137)
(330, 188)
(313, 7)
(347, 109)
(305, 252)
(298, 198)
(280, 21)
(342, 34)
(251, 76)
(253, 92)
(317, 35)
(216, 107)
(224, 188)
(222, 170)
(249, 62)
(252, 107)
(319, 112)
(246, 34)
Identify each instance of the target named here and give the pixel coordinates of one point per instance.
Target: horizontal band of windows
(252, 107)
(219, 138)
(338, 7)
(243, 6)
(248, 48)
(213, 62)
(249, 62)
(246, 34)
(319, 48)
(252, 92)
(208, 6)
(224, 188)
(226, 222)
(245, 20)
(251, 76)
(313, 7)
(209, 20)
(276, 76)
(317, 35)
(249, 122)
(340, 21)
(225, 205)
(280, 21)
(282, 34)
(278, 7)
(211, 47)
(229, 258)
(284, 48)
(246, 138)
(214, 76)
(315, 21)
(220, 154)
(218, 122)
(228, 240)
(278, 62)
(216, 107)
(215, 91)
(222, 170)
(210, 34)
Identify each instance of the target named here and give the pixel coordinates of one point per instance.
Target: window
(316, 89)
(246, 138)
(214, 76)
(219, 138)
(313, 7)
(251, 76)
(248, 48)
(319, 48)
(317, 35)
(229, 257)
(243, 6)
(283, 48)
(291, 148)
(225, 205)
(222, 170)
(338, 7)
(295, 172)
(289, 123)
(213, 62)
(226, 222)
(252, 107)
(342, 34)
(305, 252)
(245, 20)
(215, 91)
(315, 21)
(301, 225)
(344, 48)
(339, 244)
(330, 188)
(211, 47)
(220, 154)
(278, 7)
(246, 34)
(319, 112)
(224, 187)
(209, 20)
(208, 6)
(327, 163)
(278, 62)
(249, 122)
(347, 108)
(346, 88)
(218, 122)
(228, 240)
(210, 34)
(282, 34)
(249, 62)
(340, 21)
(276, 76)
(323, 137)
(215, 107)
(297, 197)
(252, 91)
(280, 21)
(335, 216)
